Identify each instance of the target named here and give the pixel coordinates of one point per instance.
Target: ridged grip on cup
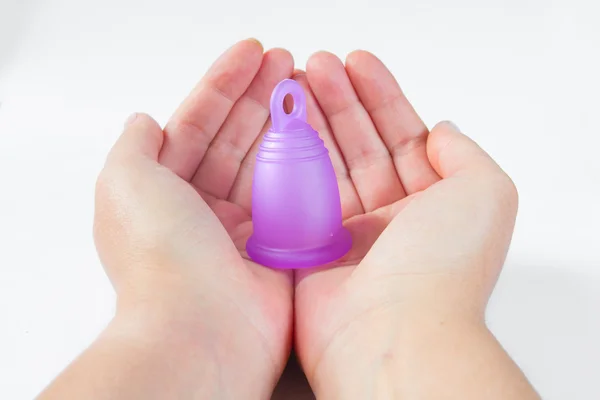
(296, 207)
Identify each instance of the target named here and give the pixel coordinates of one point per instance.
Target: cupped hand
(431, 216)
(173, 215)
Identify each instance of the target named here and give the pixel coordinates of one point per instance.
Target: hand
(175, 258)
(431, 216)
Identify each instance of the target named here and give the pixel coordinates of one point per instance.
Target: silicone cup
(296, 206)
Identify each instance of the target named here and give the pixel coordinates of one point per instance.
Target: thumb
(453, 154)
(450, 152)
(141, 138)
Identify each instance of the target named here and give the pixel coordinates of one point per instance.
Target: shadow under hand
(293, 384)
(13, 23)
(548, 319)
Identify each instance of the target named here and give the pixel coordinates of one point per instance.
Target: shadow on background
(14, 18)
(548, 319)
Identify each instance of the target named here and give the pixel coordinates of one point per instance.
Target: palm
(376, 143)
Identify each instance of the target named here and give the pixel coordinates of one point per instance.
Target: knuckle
(194, 134)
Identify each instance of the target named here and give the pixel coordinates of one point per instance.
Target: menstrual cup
(296, 206)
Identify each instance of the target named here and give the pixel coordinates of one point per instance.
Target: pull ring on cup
(279, 118)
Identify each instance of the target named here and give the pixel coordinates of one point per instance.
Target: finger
(400, 127)
(197, 120)
(351, 204)
(241, 191)
(451, 153)
(141, 138)
(455, 156)
(366, 156)
(217, 171)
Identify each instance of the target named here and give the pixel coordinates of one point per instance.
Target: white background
(520, 77)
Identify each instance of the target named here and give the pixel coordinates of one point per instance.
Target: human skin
(402, 316)
(194, 319)
(431, 217)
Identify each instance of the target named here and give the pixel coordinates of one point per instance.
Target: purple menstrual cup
(296, 206)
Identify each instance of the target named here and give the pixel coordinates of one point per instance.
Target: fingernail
(255, 40)
(453, 126)
(130, 119)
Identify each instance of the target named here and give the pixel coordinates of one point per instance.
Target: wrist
(378, 357)
(182, 333)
